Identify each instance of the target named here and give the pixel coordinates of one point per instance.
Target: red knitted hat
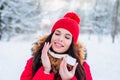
(70, 22)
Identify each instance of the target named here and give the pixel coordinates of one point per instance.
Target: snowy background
(22, 22)
(103, 57)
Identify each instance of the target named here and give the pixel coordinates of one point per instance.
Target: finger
(64, 65)
(61, 64)
(44, 49)
(74, 68)
(45, 45)
(50, 45)
(61, 70)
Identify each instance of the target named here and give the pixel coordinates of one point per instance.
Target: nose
(61, 38)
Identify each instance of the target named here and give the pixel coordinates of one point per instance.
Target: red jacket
(40, 75)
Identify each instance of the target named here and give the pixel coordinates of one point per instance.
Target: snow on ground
(12, 59)
(103, 58)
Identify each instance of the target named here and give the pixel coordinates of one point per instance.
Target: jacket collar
(79, 47)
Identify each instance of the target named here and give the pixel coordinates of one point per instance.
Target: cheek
(53, 38)
(68, 43)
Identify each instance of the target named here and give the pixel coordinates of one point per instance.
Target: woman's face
(61, 40)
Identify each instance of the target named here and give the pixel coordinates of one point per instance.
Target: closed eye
(57, 33)
(67, 36)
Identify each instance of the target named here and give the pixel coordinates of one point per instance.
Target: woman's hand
(45, 58)
(64, 73)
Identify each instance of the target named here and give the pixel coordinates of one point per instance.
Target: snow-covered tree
(38, 16)
(101, 17)
(19, 16)
(115, 20)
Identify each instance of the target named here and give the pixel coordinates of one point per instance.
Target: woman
(59, 56)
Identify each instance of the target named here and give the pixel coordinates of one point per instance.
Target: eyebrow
(57, 30)
(69, 35)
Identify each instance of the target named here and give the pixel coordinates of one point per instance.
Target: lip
(58, 44)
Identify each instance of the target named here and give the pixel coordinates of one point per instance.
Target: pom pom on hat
(73, 16)
(70, 22)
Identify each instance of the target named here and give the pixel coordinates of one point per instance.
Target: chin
(59, 52)
(56, 50)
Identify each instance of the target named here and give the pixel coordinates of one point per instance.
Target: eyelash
(67, 37)
(57, 34)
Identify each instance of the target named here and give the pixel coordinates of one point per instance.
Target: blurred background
(22, 22)
(26, 17)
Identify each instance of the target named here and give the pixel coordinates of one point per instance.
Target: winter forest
(27, 17)
(24, 21)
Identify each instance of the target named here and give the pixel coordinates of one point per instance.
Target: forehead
(62, 30)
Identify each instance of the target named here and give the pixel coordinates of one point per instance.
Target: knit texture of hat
(70, 22)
